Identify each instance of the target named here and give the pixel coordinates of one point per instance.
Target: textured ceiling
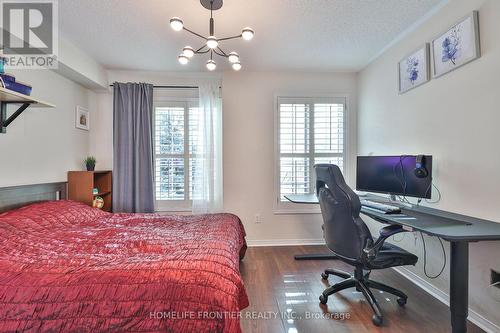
(314, 35)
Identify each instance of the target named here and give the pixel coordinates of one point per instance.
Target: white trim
(159, 99)
(283, 242)
(291, 208)
(292, 211)
(408, 31)
(443, 297)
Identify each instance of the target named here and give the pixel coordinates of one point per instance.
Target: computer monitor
(393, 175)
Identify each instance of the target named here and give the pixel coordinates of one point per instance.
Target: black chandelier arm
(200, 50)
(222, 54)
(221, 50)
(194, 33)
(228, 38)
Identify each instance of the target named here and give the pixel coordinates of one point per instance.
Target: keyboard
(384, 208)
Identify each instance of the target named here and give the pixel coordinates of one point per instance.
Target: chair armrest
(371, 249)
(390, 230)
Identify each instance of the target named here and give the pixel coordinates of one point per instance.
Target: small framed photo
(82, 118)
(457, 46)
(414, 69)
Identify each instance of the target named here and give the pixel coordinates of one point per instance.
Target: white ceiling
(313, 35)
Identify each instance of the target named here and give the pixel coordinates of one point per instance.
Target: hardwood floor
(284, 298)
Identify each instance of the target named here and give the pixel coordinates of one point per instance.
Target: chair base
(362, 283)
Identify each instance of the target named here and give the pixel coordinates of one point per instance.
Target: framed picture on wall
(82, 118)
(414, 69)
(456, 47)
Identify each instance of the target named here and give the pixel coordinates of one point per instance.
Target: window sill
(173, 210)
(173, 207)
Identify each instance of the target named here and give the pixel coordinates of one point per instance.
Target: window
(309, 131)
(176, 147)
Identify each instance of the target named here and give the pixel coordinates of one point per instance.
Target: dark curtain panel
(133, 148)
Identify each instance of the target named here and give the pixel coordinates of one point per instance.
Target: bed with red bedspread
(66, 267)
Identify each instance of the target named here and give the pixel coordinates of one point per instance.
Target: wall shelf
(11, 97)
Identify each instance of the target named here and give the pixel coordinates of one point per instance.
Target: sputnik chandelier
(211, 43)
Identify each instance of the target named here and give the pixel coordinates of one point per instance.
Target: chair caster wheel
(323, 299)
(402, 301)
(377, 321)
(324, 276)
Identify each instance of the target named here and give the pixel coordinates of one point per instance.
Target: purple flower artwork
(452, 45)
(457, 46)
(414, 69)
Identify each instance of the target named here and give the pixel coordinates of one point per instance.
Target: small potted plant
(90, 163)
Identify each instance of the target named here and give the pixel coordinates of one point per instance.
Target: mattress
(66, 267)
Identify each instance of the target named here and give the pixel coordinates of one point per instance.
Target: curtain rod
(171, 87)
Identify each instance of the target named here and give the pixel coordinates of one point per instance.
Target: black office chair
(348, 237)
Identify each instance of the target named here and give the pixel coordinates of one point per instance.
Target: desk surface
(447, 225)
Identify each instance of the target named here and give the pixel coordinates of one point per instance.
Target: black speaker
(420, 169)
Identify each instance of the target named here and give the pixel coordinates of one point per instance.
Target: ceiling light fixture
(183, 60)
(211, 65)
(188, 51)
(233, 57)
(176, 23)
(236, 66)
(211, 43)
(247, 34)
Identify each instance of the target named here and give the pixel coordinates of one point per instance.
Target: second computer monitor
(394, 175)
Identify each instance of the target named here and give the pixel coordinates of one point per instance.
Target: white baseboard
(283, 242)
(474, 317)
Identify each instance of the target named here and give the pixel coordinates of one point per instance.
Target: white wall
(248, 106)
(455, 118)
(41, 145)
(101, 131)
(79, 67)
(248, 100)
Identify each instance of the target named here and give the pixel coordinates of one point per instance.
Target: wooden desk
(458, 229)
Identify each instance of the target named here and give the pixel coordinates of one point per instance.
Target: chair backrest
(345, 232)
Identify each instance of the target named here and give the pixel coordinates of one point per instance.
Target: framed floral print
(414, 69)
(456, 47)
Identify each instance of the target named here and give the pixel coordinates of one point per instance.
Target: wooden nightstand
(81, 184)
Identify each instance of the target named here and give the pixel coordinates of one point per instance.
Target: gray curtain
(133, 148)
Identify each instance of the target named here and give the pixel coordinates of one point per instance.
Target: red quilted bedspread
(65, 267)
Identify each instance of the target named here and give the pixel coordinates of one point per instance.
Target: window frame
(175, 205)
(280, 207)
